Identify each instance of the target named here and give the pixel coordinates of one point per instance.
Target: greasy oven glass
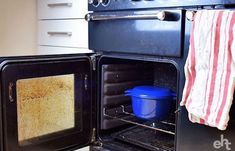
(45, 105)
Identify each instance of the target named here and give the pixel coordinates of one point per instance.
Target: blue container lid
(150, 92)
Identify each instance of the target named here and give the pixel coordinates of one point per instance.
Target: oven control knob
(95, 2)
(105, 2)
(90, 1)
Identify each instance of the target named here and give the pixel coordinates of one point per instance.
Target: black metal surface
(143, 4)
(116, 78)
(149, 37)
(116, 145)
(112, 39)
(165, 76)
(13, 69)
(117, 58)
(146, 138)
(195, 137)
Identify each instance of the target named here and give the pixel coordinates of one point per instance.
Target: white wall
(18, 27)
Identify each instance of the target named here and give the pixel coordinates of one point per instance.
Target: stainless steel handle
(60, 4)
(60, 33)
(161, 15)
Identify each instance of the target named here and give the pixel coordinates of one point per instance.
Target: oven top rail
(110, 5)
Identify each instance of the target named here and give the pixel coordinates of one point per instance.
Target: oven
(137, 46)
(154, 34)
(65, 102)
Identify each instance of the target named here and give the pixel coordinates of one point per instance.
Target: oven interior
(117, 123)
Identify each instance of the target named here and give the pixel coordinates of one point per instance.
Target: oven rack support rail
(120, 113)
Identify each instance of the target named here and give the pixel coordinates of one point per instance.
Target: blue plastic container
(151, 103)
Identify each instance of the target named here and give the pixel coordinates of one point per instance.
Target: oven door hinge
(94, 141)
(94, 60)
(93, 136)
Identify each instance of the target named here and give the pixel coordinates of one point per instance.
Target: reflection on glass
(45, 106)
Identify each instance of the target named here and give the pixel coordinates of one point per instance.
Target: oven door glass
(46, 103)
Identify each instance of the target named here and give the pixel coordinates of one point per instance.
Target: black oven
(65, 102)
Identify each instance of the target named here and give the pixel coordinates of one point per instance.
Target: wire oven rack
(146, 138)
(120, 113)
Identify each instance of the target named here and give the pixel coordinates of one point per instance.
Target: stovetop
(109, 5)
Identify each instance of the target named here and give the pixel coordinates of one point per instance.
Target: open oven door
(46, 103)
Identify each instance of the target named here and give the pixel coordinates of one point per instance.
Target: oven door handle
(161, 15)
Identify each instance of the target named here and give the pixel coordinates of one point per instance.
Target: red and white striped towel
(210, 68)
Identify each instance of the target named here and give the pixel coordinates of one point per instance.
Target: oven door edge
(7, 137)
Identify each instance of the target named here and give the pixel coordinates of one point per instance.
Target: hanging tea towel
(210, 68)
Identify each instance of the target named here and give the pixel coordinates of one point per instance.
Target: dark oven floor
(147, 138)
(138, 138)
